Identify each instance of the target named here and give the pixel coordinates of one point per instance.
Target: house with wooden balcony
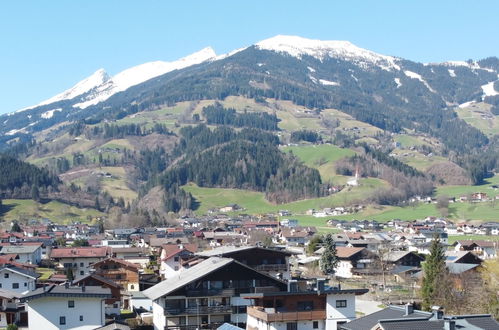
(319, 307)
(119, 271)
(79, 259)
(270, 261)
(208, 295)
(10, 309)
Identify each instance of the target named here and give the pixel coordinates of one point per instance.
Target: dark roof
(470, 322)
(97, 278)
(391, 312)
(63, 291)
(21, 271)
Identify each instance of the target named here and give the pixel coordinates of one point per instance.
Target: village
(231, 272)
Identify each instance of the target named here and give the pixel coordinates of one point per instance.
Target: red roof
(172, 249)
(80, 252)
(118, 261)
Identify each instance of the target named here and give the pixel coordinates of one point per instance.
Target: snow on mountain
(328, 83)
(98, 78)
(414, 75)
(298, 47)
(488, 89)
(50, 113)
(140, 73)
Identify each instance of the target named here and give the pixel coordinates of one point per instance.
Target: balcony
(211, 292)
(272, 268)
(260, 313)
(198, 310)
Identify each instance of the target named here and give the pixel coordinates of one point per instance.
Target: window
(81, 264)
(62, 320)
(176, 268)
(81, 272)
(71, 303)
(175, 259)
(292, 326)
(341, 303)
(25, 283)
(6, 275)
(0, 285)
(15, 285)
(305, 305)
(81, 317)
(315, 325)
(132, 287)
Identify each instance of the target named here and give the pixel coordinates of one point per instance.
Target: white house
(27, 253)
(66, 307)
(323, 309)
(79, 259)
(17, 279)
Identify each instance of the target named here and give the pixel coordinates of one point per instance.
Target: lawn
(456, 191)
(116, 186)
(255, 203)
(453, 238)
(45, 273)
(19, 209)
(323, 158)
(479, 116)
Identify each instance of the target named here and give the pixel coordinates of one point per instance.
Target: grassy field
(116, 185)
(456, 191)
(322, 157)
(453, 238)
(18, 209)
(479, 116)
(255, 202)
(45, 273)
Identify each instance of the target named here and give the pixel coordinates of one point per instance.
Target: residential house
(135, 255)
(66, 307)
(320, 308)
(208, 294)
(79, 259)
(484, 249)
(10, 311)
(407, 318)
(120, 271)
(114, 304)
(297, 236)
(27, 253)
(17, 279)
(173, 258)
(354, 261)
(270, 261)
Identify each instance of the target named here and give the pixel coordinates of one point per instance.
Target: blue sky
(48, 46)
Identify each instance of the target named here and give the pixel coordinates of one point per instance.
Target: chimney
(438, 312)
(409, 309)
(450, 324)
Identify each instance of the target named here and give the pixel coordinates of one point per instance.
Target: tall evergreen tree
(329, 259)
(434, 274)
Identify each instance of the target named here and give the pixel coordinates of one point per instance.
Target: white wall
(159, 319)
(141, 303)
(344, 269)
(25, 283)
(333, 314)
(77, 269)
(44, 313)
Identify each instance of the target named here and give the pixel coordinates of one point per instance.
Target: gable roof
(190, 275)
(471, 242)
(345, 252)
(228, 250)
(98, 278)
(470, 322)
(18, 249)
(80, 252)
(391, 312)
(72, 291)
(395, 256)
(118, 261)
(20, 271)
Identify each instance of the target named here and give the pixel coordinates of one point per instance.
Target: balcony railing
(193, 327)
(261, 314)
(198, 310)
(210, 292)
(272, 267)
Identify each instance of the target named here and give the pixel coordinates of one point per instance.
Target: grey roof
(464, 322)
(394, 256)
(225, 250)
(19, 270)
(187, 276)
(16, 249)
(63, 291)
(458, 268)
(391, 312)
(114, 326)
(228, 326)
(9, 294)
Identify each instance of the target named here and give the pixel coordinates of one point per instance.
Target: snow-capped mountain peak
(298, 47)
(98, 78)
(140, 73)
